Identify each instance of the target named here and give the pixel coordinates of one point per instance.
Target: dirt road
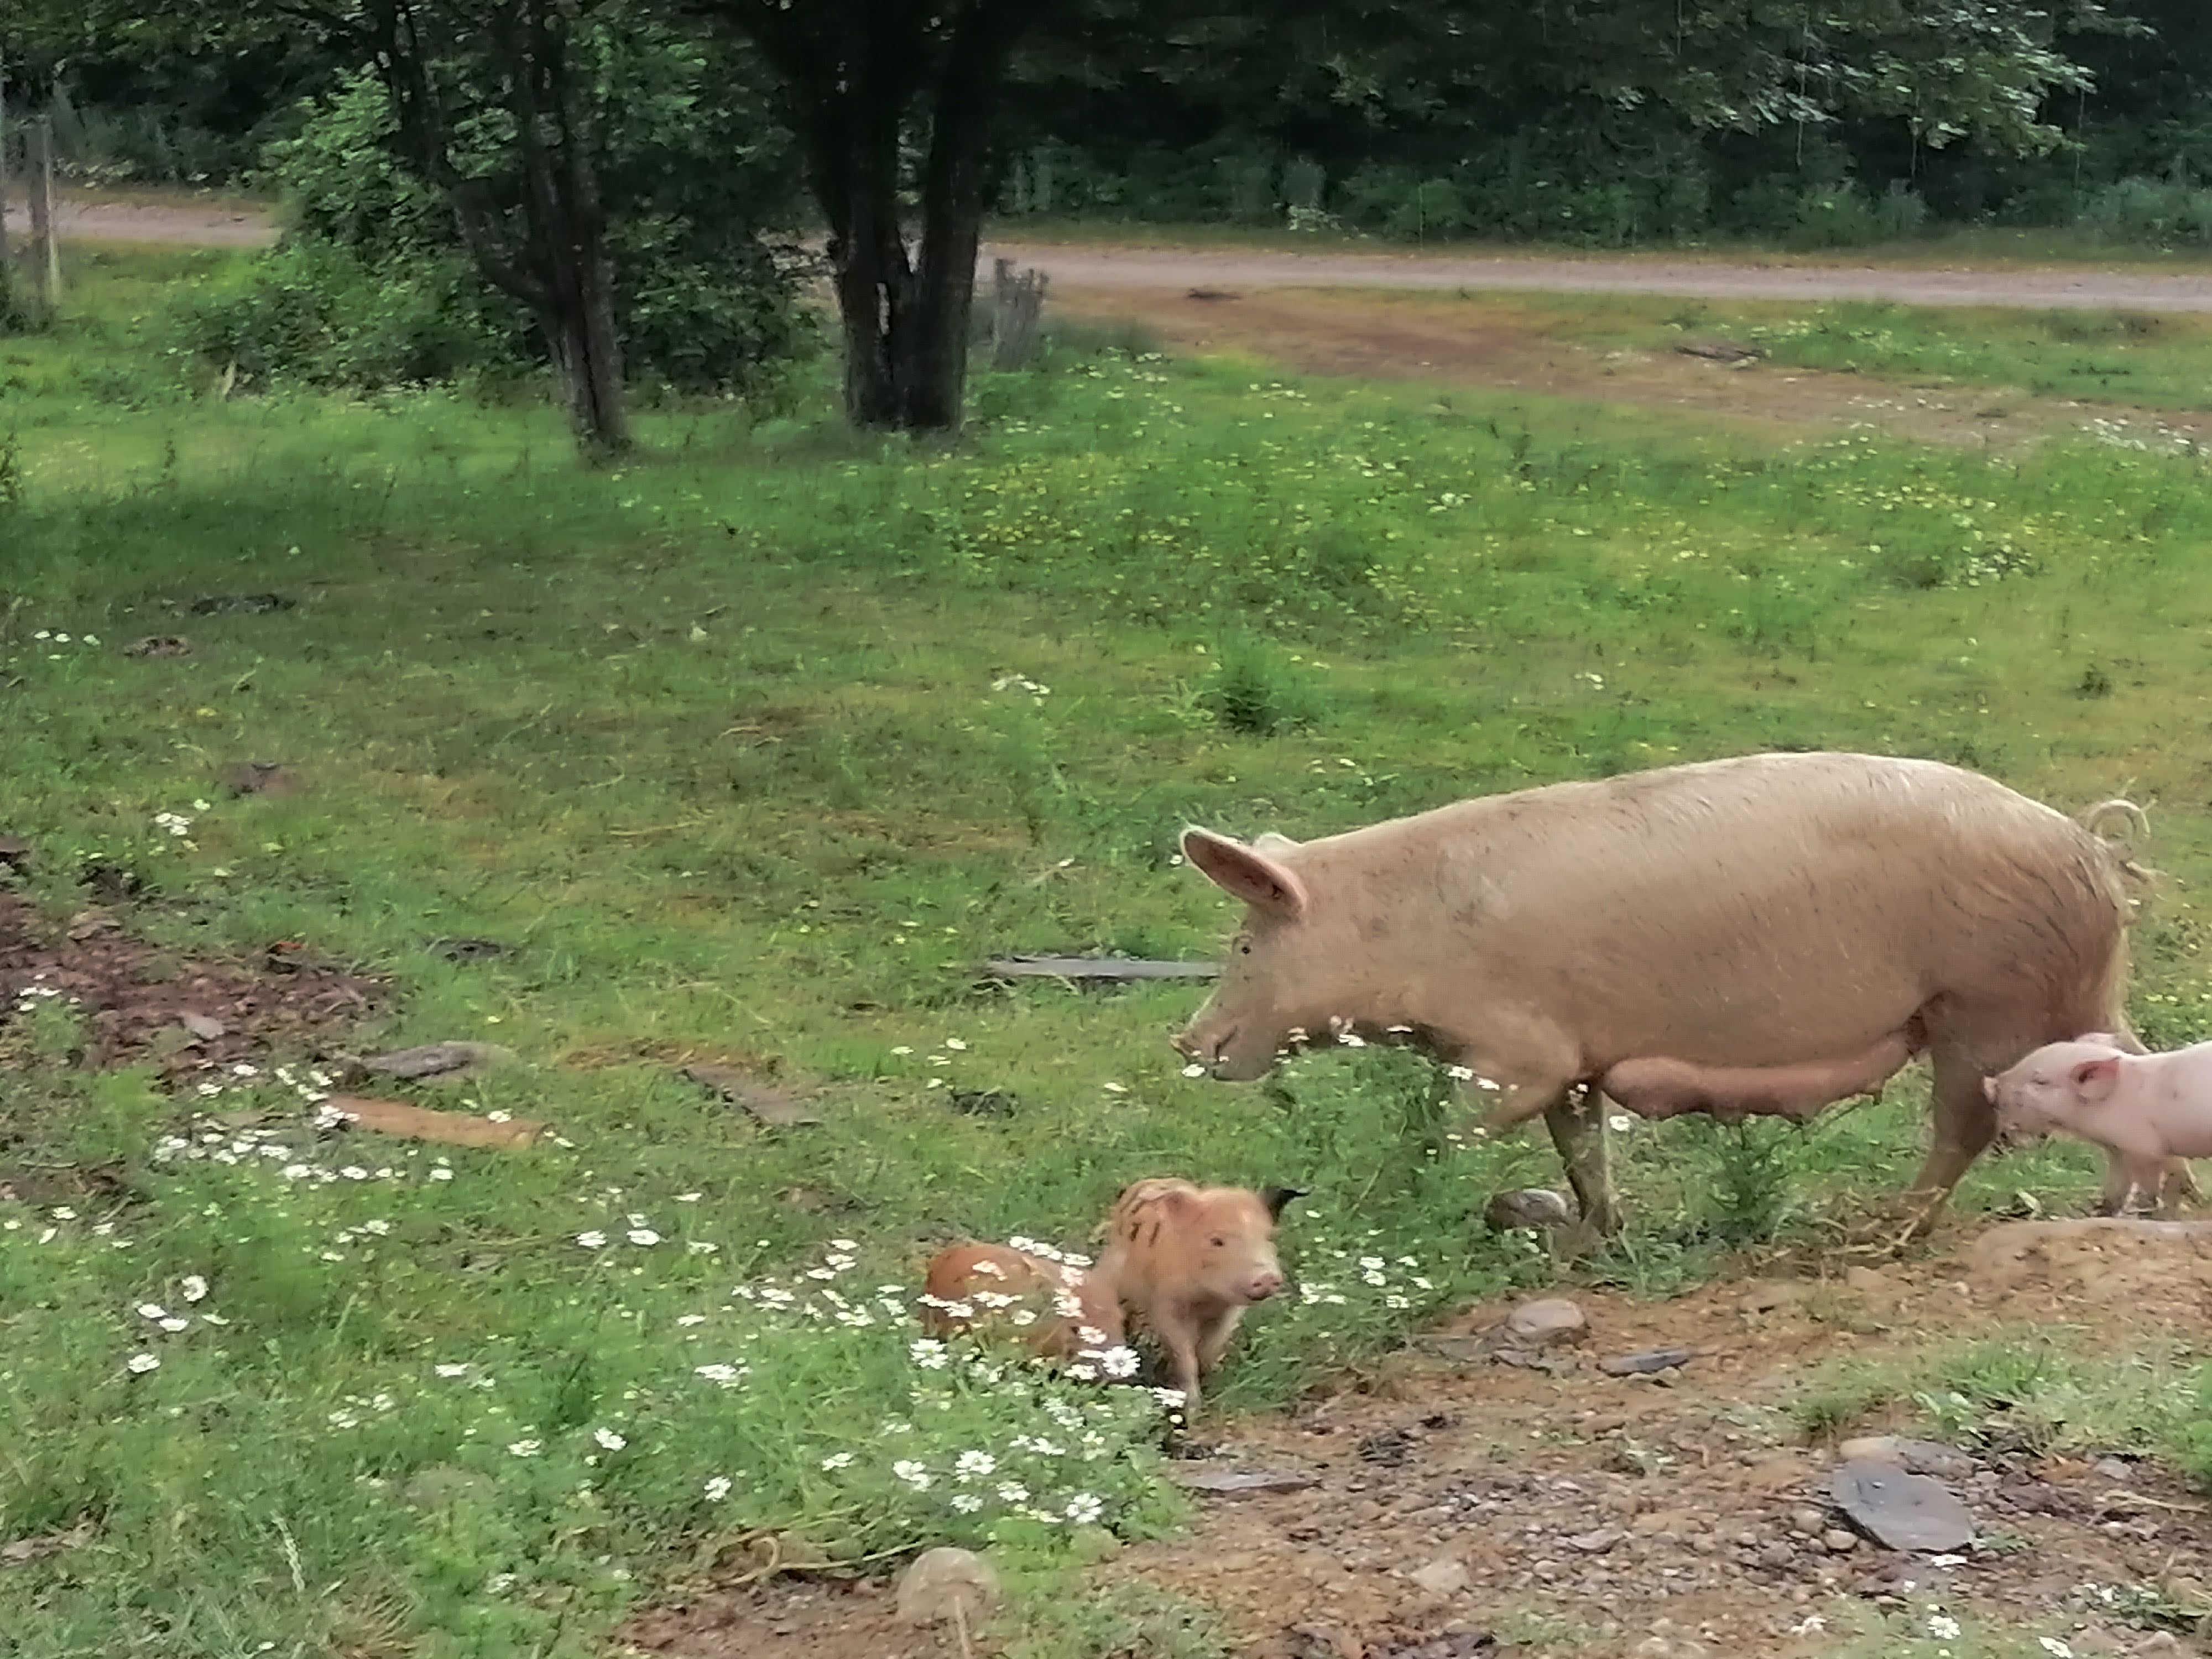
(1183, 270)
(1154, 269)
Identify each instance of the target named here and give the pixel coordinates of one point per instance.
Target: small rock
(1774, 1294)
(1626, 1457)
(1649, 1363)
(467, 949)
(1719, 351)
(15, 853)
(2161, 1641)
(2111, 1468)
(219, 605)
(1598, 1542)
(1866, 1281)
(206, 1030)
(1927, 1457)
(1544, 1323)
(436, 1060)
(945, 1582)
(1390, 1447)
(271, 778)
(1245, 1483)
(1442, 1577)
(1776, 1555)
(772, 1107)
(1903, 1511)
(1807, 1521)
(1527, 1207)
(1837, 1542)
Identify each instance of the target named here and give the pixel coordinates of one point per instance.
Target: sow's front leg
(1577, 1127)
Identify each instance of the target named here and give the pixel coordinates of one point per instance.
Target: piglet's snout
(1267, 1282)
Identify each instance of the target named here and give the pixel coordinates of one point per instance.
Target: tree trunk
(905, 323)
(905, 329)
(933, 359)
(567, 236)
(588, 358)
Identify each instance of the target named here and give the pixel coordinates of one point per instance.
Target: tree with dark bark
(459, 71)
(863, 81)
(871, 83)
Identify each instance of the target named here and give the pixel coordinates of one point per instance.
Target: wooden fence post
(4, 273)
(45, 245)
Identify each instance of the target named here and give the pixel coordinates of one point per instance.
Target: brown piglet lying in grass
(1058, 1310)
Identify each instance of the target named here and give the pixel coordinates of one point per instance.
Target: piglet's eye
(1220, 1243)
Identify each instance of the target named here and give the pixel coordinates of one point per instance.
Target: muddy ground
(1463, 1509)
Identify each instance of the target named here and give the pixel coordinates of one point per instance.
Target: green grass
(752, 749)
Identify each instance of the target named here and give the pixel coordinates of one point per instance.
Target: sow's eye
(1220, 1243)
(1243, 947)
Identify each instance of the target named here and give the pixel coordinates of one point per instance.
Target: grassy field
(751, 751)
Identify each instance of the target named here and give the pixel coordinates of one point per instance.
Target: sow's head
(1292, 968)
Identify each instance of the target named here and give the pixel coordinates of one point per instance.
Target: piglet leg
(1214, 1336)
(1178, 1334)
(1657, 1086)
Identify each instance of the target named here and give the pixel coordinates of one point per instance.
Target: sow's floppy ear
(2095, 1078)
(1276, 1197)
(1245, 872)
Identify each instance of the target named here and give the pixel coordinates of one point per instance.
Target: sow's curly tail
(2125, 846)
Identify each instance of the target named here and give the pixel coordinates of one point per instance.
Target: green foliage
(1258, 689)
(373, 288)
(316, 314)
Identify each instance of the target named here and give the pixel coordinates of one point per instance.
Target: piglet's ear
(2094, 1078)
(1276, 1197)
(1261, 881)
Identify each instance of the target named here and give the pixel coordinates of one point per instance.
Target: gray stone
(1527, 1207)
(2111, 1468)
(1927, 1457)
(1245, 1483)
(440, 1060)
(1902, 1510)
(1806, 1521)
(1651, 1363)
(1598, 1542)
(1442, 1577)
(1838, 1542)
(945, 1584)
(1546, 1322)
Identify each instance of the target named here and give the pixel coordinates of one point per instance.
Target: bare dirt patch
(187, 1016)
(1496, 1510)
(172, 220)
(1492, 341)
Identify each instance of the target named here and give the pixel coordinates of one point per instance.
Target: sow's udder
(1657, 1086)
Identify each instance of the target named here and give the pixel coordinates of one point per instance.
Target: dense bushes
(370, 288)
